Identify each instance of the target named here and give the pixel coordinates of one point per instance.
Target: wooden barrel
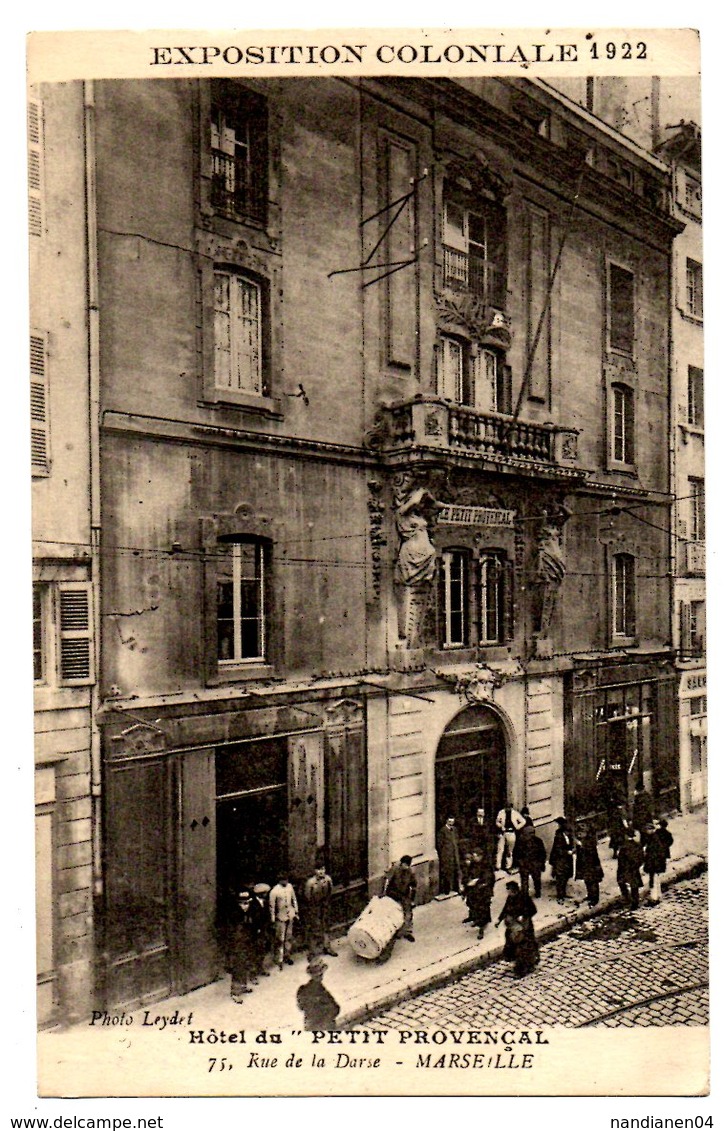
(376, 927)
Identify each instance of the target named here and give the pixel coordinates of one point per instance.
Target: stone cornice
(560, 170)
(213, 435)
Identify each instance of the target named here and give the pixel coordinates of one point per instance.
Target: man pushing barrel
(401, 886)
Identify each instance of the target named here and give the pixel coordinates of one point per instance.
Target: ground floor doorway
(251, 814)
(470, 768)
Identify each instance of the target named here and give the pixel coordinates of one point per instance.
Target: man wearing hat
(283, 910)
(241, 945)
(315, 1001)
(260, 903)
(317, 909)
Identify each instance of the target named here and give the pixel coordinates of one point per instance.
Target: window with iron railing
(239, 153)
(472, 253)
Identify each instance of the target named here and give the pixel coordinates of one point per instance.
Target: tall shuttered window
(35, 168)
(621, 320)
(241, 608)
(75, 636)
(695, 407)
(622, 424)
(38, 633)
(39, 414)
(238, 363)
(454, 598)
(238, 152)
(623, 581)
(694, 289)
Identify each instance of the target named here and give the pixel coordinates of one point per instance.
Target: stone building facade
(67, 775)
(384, 374)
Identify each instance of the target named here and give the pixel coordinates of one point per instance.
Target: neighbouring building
(384, 490)
(682, 149)
(66, 747)
(662, 114)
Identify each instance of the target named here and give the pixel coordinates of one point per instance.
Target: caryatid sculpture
(416, 559)
(550, 571)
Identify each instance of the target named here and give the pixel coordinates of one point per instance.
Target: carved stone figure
(550, 569)
(415, 565)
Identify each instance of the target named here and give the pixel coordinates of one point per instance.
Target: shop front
(621, 734)
(185, 825)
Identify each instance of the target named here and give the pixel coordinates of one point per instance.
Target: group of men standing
(260, 923)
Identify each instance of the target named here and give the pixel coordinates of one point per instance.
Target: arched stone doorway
(470, 768)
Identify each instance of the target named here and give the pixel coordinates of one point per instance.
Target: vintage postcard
(369, 625)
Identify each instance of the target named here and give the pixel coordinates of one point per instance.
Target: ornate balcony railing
(428, 421)
(471, 273)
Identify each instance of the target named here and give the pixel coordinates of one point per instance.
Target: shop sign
(453, 514)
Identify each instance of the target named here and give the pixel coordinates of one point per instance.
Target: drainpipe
(95, 502)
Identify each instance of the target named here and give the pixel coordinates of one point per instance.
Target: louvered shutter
(685, 629)
(39, 415)
(508, 600)
(505, 388)
(35, 167)
(75, 642)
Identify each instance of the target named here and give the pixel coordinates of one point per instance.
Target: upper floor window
(454, 581)
(622, 421)
(623, 582)
(39, 414)
(35, 168)
(473, 251)
(475, 598)
(238, 333)
(470, 375)
(692, 628)
(492, 591)
(621, 321)
(242, 601)
(695, 408)
(694, 289)
(62, 633)
(239, 176)
(688, 193)
(697, 503)
(39, 627)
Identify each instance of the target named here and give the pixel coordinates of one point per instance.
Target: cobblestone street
(647, 968)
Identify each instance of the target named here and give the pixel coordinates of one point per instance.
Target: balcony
(429, 427)
(695, 559)
(466, 272)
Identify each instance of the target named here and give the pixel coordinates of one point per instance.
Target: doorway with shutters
(470, 768)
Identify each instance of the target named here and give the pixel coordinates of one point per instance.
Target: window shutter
(35, 167)
(39, 415)
(75, 633)
(684, 628)
(508, 600)
(505, 398)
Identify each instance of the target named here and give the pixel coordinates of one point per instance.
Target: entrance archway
(470, 768)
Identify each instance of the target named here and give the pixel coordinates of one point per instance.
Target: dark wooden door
(197, 959)
(345, 771)
(306, 804)
(139, 868)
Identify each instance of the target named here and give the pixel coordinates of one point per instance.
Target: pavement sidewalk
(444, 947)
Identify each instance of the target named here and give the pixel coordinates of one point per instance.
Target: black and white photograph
(367, 410)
